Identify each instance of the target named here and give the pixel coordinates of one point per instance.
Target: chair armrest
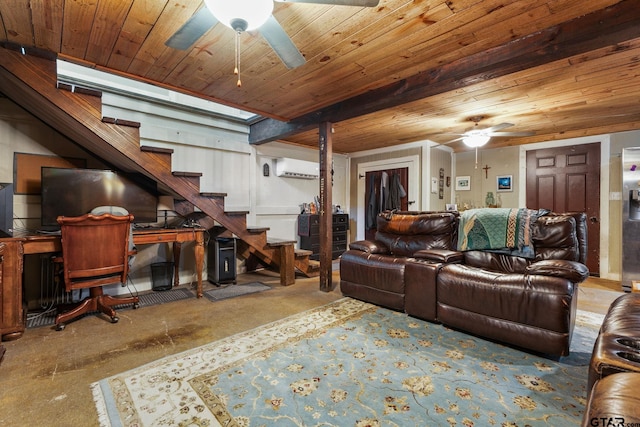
(570, 270)
(369, 246)
(439, 255)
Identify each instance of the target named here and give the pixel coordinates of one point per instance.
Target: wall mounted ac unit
(294, 168)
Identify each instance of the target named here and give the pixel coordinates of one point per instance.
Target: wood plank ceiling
(355, 51)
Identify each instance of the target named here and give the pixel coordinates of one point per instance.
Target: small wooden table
(12, 311)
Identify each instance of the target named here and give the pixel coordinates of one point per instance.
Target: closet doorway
(386, 190)
(407, 167)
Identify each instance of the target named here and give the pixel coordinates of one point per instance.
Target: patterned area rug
(353, 364)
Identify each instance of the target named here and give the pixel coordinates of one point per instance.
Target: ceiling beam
(606, 27)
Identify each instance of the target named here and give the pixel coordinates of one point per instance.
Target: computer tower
(6, 210)
(221, 260)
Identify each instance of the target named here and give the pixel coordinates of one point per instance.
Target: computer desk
(12, 310)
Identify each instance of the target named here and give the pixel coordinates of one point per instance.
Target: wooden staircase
(31, 82)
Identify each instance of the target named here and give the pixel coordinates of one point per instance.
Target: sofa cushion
(538, 301)
(555, 237)
(495, 262)
(406, 233)
(381, 271)
(614, 401)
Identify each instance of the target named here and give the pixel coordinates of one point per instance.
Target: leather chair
(95, 252)
(374, 270)
(617, 348)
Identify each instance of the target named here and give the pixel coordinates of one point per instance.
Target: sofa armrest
(439, 255)
(570, 270)
(369, 246)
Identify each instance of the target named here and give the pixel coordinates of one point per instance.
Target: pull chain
(237, 69)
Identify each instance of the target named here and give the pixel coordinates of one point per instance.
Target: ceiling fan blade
(498, 127)
(192, 30)
(275, 35)
(498, 134)
(453, 140)
(362, 3)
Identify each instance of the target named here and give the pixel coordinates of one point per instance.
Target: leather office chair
(95, 252)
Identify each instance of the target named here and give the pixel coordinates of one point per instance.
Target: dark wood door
(372, 196)
(567, 179)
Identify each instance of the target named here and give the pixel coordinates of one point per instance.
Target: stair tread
(121, 122)
(303, 252)
(257, 229)
(273, 241)
(150, 149)
(237, 212)
(178, 173)
(213, 194)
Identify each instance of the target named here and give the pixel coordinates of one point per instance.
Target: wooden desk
(12, 308)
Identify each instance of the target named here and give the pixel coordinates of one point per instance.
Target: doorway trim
(410, 162)
(605, 149)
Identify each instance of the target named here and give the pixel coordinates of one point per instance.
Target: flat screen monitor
(75, 192)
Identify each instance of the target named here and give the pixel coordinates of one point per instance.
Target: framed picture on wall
(504, 183)
(463, 183)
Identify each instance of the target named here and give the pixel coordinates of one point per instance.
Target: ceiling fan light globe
(475, 140)
(254, 12)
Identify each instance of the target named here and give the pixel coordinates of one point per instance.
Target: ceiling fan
(478, 137)
(247, 15)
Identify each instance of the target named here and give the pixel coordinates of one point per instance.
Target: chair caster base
(60, 326)
(115, 319)
(136, 305)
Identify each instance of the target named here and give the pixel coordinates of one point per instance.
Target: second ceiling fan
(247, 15)
(477, 137)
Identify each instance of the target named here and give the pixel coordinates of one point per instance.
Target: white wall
(278, 200)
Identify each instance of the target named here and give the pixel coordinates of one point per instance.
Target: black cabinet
(221, 261)
(309, 233)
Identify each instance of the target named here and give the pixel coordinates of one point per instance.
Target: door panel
(567, 179)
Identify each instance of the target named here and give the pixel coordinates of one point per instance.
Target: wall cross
(486, 171)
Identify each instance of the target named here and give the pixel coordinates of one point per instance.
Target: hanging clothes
(396, 192)
(372, 207)
(384, 191)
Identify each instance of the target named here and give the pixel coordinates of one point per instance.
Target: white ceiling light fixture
(241, 15)
(475, 138)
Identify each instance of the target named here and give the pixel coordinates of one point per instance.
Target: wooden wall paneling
(27, 170)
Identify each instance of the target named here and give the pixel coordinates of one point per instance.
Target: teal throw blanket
(502, 230)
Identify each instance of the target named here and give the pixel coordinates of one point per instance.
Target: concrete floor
(45, 375)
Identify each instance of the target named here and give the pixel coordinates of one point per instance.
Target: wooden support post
(287, 265)
(326, 210)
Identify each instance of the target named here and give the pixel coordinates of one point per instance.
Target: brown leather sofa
(614, 370)
(529, 303)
